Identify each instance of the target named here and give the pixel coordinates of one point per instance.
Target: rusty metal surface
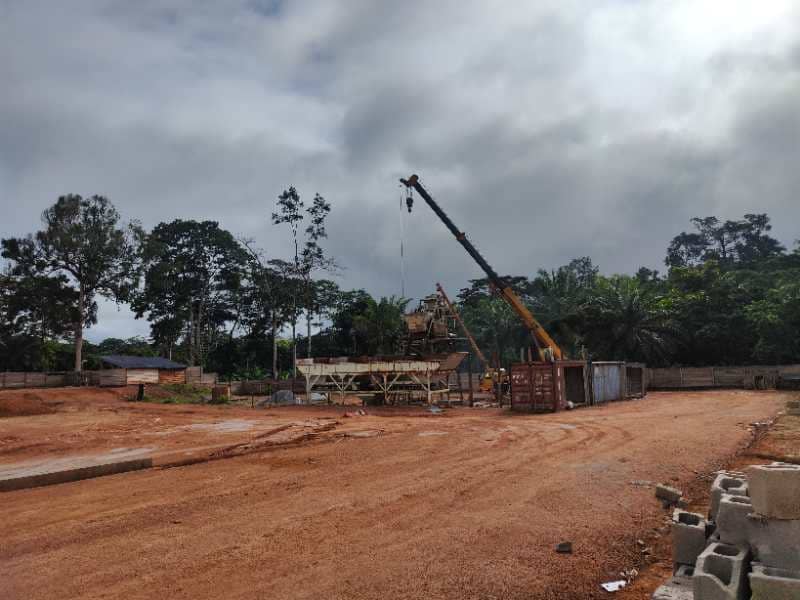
(536, 387)
(429, 328)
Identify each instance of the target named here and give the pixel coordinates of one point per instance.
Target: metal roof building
(122, 361)
(132, 370)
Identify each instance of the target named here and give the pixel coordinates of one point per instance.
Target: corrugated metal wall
(608, 381)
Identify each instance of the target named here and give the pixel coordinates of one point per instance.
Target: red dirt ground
(90, 421)
(469, 504)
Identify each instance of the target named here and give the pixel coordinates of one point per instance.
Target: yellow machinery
(546, 348)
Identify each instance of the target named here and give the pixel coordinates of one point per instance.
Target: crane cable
(402, 248)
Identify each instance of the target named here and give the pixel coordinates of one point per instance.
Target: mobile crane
(545, 346)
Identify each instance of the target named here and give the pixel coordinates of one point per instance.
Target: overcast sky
(547, 130)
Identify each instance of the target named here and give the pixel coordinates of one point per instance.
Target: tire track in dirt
(397, 515)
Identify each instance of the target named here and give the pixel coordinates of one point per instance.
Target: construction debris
(668, 494)
(614, 586)
(564, 548)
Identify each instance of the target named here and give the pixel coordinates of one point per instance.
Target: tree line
(730, 295)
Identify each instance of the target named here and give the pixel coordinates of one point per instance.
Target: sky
(547, 130)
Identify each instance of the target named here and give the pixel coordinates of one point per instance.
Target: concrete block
(732, 519)
(721, 573)
(793, 404)
(689, 531)
(769, 583)
(794, 412)
(726, 483)
(677, 587)
(668, 494)
(775, 490)
(775, 542)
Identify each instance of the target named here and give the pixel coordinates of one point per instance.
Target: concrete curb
(21, 482)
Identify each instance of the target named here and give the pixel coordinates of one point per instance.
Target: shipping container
(549, 387)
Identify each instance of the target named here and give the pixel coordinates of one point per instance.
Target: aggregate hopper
(389, 377)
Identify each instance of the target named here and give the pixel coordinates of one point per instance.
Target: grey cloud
(548, 131)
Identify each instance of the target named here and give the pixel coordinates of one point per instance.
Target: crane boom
(463, 325)
(540, 337)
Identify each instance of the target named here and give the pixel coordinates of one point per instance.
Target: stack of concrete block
(793, 407)
(750, 542)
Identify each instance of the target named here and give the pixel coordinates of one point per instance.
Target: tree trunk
(294, 348)
(190, 337)
(79, 328)
(274, 348)
(308, 333)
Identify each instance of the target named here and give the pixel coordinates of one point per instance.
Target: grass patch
(177, 393)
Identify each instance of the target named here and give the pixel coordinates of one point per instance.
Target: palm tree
(495, 327)
(381, 324)
(623, 320)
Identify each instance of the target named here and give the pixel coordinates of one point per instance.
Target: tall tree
(40, 307)
(293, 213)
(555, 298)
(727, 242)
(84, 242)
(192, 276)
(268, 291)
(313, 259)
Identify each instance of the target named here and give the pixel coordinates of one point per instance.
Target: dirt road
(465, 505)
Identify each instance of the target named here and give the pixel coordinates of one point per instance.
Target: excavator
(546, 348)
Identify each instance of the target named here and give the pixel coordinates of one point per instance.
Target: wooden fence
(755, 377)
(104, 378)
(36, 379)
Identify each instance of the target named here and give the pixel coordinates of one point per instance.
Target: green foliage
(731, 296)
(727, 243)
(776, 320)
(496, 328)
(134, 346)
(83, 247)
(293, 212)
(192, 276)
(622, 319)
(179, 393)
(380, 324)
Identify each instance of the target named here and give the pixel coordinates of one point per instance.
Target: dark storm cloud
(547, 131)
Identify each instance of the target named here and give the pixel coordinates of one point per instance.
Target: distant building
(132, 370)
